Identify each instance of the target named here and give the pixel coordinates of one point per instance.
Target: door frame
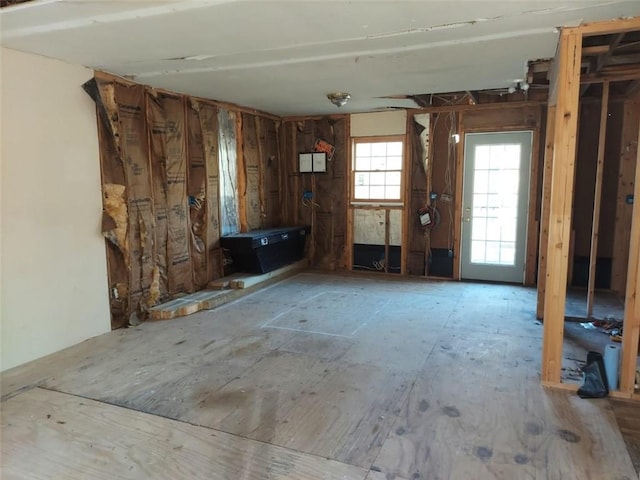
(529, 196)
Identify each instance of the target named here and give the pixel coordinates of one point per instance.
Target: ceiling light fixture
(519, 85)
(338, 98)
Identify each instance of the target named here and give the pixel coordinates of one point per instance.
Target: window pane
(379, 149)
(377, 171)
(379, 163)
(493, 229)
(479, 229)
(481, 182)
(376, 178)
(493, 252)
(392, 193)
(482, 157)
(393, 178)
(394, 149)
(376, 192)
(361, 192)
(362, 178)
(394, 163)
(507, 253)
(363, 163)
(363, 149)
(477, 251)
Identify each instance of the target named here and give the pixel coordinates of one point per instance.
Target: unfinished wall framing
(326, 209)
(436, 252)
(560, 171)
(160, 161)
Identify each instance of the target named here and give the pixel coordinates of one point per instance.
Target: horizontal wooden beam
(609, 77)
(631, 58)
(482, 106)
(595, 50)
(607, 27)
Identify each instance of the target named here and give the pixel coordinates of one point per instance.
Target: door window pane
(494, 220)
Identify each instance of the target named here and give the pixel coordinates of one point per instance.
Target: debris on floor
(608, 325)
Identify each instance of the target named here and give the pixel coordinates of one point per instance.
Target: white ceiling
(283, 57)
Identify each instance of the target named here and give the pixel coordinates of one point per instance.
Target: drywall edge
(53, 266)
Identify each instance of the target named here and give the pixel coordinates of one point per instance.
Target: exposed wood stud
(628, 152)
(597, 199)
(457, 214)
(544, 210)
(605, 59)
(387, 237)
(566, 122)
(262, 162)
(242, 176)
(631, 327)
(532, 224)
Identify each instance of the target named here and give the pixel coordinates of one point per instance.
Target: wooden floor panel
(404, 379)
(479, 412)
(50, 435)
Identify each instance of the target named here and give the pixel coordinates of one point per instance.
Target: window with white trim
(377, 170)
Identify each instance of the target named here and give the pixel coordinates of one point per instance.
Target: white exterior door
(495, 201)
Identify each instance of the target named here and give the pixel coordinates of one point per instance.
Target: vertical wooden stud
(544, 210)
(562, 171)
(631, 327)
(387, 237)
(532, 224)
(457, 214)
(242, 175)
(628, 152)
(262, 164)
(595, 224)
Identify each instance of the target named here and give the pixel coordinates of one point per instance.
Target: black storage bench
(262, 251)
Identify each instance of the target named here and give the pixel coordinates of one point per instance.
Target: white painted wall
(378, 124)
(53, 279)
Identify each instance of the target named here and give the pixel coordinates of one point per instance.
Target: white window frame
(377, 201)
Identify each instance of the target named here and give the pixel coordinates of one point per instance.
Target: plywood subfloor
(382, 379)
(628, 416)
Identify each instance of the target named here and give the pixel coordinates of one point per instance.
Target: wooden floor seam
(204, 427)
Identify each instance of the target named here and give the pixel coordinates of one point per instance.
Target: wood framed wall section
(567, 88)
(563, 106)
(597, 198)
(631, 329)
